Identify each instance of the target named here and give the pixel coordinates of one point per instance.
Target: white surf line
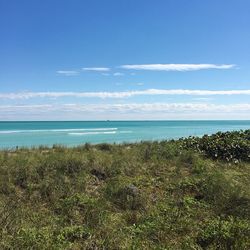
(92, 133)
(55, 130)
(10, 131)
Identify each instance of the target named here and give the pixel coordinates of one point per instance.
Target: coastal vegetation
(191, 193)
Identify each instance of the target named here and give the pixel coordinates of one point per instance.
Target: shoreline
(71, 134)
(124, 143)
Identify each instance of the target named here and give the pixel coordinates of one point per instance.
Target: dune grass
(187, 194)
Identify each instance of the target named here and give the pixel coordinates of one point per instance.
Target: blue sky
(133, 59)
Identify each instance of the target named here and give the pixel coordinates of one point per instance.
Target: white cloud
(152, 67)
(159, 107)
(202, 99)
(132, 111)
(67, 72)
(130, 107)
(8, 108)
(118, 74)
(122, 94)
(98, 69)
(176, 67)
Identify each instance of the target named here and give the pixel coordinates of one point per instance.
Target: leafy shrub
(237, 206)
(225, 234)
(104, 147)
(217, 189)
(125, 195)
(229, 146)
(82, 208)
(33, 238)
(73, 233)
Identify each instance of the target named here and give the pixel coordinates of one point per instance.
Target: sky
(124, 59)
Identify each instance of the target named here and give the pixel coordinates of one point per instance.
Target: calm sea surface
(74, 133)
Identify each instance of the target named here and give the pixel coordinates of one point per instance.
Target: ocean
(73, 133)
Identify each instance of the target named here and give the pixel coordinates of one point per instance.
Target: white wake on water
(55, 130)
(92, 133)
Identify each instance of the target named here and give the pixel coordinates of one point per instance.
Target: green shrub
(104, 147)
(225, 234)
(229, 146)
(73, 233)
(80, 208)
(125, 194)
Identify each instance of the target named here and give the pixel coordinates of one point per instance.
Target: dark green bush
(229, 146)
(104, 147)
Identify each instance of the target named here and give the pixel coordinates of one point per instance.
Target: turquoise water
(73, 133)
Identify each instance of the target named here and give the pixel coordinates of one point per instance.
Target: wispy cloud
(67, 72)
(122, 94)
(134, 107)
(97, 69)
(160, 107)
(176, 67)
(118, 74)
(8, 108)
(151, 67)
(114, 74)
(202, 99)
(132, 111)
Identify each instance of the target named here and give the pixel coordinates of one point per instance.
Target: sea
(73, 133)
